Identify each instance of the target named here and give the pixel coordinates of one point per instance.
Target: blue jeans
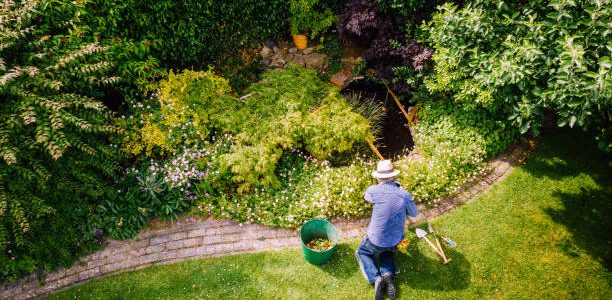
(369, 256)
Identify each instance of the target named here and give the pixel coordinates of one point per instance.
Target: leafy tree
(524, 59)
(307, 19)
(55, 155)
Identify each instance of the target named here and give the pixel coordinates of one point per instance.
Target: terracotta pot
(300, 41)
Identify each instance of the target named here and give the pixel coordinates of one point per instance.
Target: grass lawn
(543, 233)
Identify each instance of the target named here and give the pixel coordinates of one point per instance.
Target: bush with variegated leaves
(55, 158)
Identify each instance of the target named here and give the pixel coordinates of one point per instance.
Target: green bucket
(314, 229)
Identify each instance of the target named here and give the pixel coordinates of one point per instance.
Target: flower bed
(302, 158)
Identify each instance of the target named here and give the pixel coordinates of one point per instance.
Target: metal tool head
(420, 232)
(430, 228)
(450, 242)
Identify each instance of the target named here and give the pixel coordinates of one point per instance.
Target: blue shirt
(391, 204)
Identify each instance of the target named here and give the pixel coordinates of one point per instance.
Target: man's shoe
(391, 292)
(379, 286)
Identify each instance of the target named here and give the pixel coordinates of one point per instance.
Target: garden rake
(423, 234)
(431, 230)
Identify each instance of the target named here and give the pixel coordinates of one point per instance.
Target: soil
(395, 138)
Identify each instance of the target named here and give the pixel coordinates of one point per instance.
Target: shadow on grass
(417, 270)
(567, 153)
(573, 158)
(342, 265)
(587, 216)
(425, 273)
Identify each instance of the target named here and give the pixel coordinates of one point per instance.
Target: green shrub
(289, 108)
(521, 59)
(56, 162)
(187, 34)
(309, 18)
(182, 112)
(453, 145)
(154, 189)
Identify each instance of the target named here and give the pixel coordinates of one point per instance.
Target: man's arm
(411, 208)
(368, 195)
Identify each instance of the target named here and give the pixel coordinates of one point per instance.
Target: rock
(299, 60)
(288, 56)
(276, 49)
(342, 78)
(276, 64)
(293, 50)
(277, 60)
(265, 52)
(316, 61)
(270, 43)
(308, 50)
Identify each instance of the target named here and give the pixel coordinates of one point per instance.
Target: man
(385, 231)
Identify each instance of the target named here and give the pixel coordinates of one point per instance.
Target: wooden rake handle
(432, 246)
(442, 251)
(436, 249)
(374, 149)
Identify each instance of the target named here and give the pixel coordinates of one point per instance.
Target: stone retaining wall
(213, 238)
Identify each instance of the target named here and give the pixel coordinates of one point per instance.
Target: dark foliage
(364, 23)
(384, 57)
(332, 47)
(195, 34)
(361, 21)
(409, 14)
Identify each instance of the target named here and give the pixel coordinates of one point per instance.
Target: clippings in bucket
(320, 244)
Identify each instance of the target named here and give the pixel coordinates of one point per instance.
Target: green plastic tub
(314, 229)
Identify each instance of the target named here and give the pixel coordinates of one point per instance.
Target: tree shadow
(422, 272)
(586, 215)
(567, 153)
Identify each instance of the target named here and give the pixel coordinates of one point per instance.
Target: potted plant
(306, 19)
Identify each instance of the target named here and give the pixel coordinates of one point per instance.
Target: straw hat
(385, 170)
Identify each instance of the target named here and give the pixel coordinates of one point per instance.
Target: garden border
(213, 238)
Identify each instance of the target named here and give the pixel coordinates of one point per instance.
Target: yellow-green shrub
(190, 105)
(289, 108)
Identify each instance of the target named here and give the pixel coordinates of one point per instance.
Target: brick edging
(213, 238)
